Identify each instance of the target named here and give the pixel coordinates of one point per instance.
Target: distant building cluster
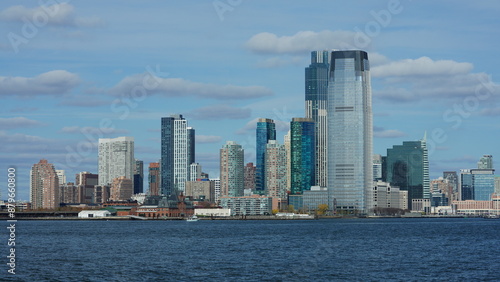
(325, 164)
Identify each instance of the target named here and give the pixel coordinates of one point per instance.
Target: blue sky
(75, 71)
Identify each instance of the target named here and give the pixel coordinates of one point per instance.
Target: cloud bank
(178, 87)
(302, 41)
(424, 78)
(62, 14)
(54, 82)
(220, 112)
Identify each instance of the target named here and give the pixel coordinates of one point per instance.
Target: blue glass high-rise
(316, 90)
(266, 130)
(302, 154)
(177, 153)
(477, 184)
(167, 156)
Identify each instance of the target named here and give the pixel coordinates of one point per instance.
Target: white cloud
(302, 41)
(62, 14)
(249, 127)
(21, 143)
(220, 112)
(380, 132)
(49, 83)
(423, 66)
(423, 78)
(17, 122)
(377, 59)
(176, 87)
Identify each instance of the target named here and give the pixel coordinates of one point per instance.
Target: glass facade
(247, 205)
(177, 153)
(408, 169)
(302, 154)
(167, 156)
(350, 131)
(477, 184)
(316, 96)
(296, 201)
(266, 130)
(311, 200)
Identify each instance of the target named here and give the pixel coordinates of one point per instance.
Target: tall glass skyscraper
(302, 155)
(350, 131)
(408, 168)
(266, 130)
(177, 153)
(316, 90)
(232, 170)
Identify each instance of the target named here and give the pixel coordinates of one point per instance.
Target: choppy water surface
(226, 250)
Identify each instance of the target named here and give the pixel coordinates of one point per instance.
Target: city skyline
(78, 73)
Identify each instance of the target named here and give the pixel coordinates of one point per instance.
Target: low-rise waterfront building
(94, 213)
(250, 205)
(421, 205)
(386, 196)
(213, 212)
(156, 207)
(295, 201)
(316, 196)
(471, 207)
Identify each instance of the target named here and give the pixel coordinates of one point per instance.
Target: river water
(411, 249)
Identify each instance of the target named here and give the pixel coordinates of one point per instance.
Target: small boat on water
(192, 218)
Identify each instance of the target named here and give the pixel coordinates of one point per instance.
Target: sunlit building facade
(116, 158)
(316, 94)
(302, 155)
(408, 169)
(266, 130)
(231, 170)
(350, 131)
